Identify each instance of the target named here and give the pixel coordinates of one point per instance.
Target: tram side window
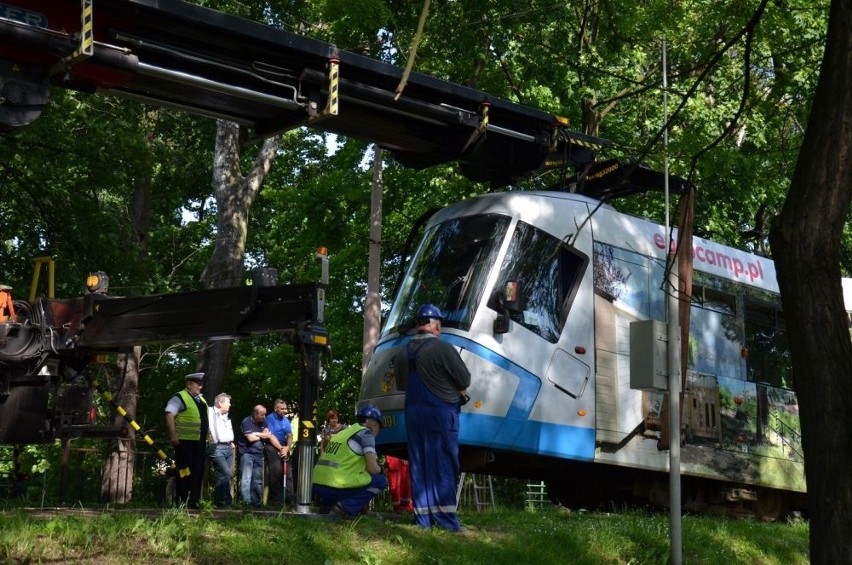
(548, 274)
(629, 279)
(718, 301)
(768, 359)
(715, 333)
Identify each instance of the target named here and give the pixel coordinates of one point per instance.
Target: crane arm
(176, 54)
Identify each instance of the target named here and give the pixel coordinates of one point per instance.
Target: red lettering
(738, 267)
(660, 242)
(754, 271)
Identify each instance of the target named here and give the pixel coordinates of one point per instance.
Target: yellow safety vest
(339, 466)
(188, 422)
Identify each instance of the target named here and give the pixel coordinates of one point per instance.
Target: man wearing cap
(187, 423)
(435, 380)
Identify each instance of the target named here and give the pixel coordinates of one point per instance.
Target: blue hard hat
(370, 411)
(429, 311)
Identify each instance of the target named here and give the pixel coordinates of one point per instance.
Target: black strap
(412, 354)
(412, 357)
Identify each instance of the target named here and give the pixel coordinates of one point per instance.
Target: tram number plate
(389, 421)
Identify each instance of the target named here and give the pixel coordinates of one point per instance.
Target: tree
(235, 193)
(599, 64)
(120, 462)
(806, 243)
(372, 304)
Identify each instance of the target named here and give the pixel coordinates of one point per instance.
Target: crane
(179, 55)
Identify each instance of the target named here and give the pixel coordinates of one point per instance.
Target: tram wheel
(771, 505)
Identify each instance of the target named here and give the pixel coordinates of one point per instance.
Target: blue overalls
(432, 426)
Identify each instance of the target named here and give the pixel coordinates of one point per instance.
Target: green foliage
(70, 181)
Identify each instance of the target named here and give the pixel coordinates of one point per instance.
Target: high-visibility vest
(339, 466)
(188, 422)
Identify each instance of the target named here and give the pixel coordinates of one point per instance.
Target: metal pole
(673, 356)
(307, 442)
(674, 420)
(311, 342)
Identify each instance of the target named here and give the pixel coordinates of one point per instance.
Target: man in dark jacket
(436, 381)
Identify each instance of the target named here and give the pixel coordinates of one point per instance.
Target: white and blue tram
(538, 291)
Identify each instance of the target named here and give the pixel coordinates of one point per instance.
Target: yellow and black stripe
(87, 39)
(332, 105)
(108, 396)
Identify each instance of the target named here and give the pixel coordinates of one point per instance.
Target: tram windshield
(450, 270)
(453, 263)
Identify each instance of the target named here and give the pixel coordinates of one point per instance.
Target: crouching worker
(348, 476)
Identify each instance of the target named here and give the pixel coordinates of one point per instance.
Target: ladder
(537, 495)
(479, 490)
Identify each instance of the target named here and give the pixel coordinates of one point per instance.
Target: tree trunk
(587, 37)
(373, 303)
(120, 463)
(140, 201)
(235, 194)
(805, 241)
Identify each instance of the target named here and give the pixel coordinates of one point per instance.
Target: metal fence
(82, 480)
(72, 474)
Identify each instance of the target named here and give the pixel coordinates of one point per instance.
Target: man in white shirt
(221, 449)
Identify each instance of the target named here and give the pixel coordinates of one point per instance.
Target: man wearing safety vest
(348, 476)
(187, 422)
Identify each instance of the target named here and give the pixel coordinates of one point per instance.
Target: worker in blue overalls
(435, 380)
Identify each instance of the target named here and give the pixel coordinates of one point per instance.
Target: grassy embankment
(492, 537)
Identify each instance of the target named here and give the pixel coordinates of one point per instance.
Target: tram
(541, 292)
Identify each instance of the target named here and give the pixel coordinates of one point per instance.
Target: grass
(492, 537)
